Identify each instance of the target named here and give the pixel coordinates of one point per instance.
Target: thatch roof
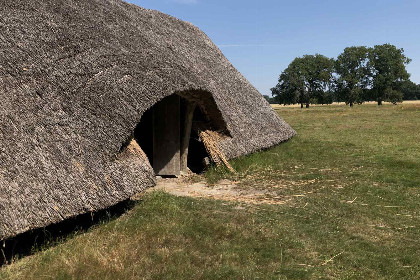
(76, 77)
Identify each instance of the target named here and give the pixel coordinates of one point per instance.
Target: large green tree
(353, 74)
(388, 64)
(307, 79)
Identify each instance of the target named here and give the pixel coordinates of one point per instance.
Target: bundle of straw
(209, 139)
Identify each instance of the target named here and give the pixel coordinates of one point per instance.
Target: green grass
(350, 182)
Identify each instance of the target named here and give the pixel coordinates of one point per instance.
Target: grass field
(349, 186)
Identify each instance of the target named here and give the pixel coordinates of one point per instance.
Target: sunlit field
(348, 193)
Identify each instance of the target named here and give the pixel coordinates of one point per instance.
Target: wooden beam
(189, 113)
(166, 136)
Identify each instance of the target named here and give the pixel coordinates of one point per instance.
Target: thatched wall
(75, 78)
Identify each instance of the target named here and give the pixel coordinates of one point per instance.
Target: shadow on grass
(30, 242)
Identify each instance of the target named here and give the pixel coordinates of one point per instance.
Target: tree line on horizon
(357, 75)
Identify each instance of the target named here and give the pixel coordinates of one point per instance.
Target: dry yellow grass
(411, 102)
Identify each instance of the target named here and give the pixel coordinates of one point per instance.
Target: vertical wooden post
(189, 113)
(166, 136)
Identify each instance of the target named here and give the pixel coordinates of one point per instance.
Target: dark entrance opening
(168, 132)
(143, 134)
(197, 153)
(158, 134)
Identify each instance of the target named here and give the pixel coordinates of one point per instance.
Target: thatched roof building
(80, 79)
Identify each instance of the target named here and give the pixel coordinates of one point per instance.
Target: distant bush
(271, 100)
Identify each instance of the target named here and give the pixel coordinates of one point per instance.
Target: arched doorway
(168, 132)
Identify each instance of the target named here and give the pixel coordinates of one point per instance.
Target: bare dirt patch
(226, 190)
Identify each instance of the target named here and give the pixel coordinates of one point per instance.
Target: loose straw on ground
(330, 260)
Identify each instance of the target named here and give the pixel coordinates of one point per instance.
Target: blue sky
(261, 37)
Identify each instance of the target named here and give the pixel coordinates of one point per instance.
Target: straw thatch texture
(75, 78)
